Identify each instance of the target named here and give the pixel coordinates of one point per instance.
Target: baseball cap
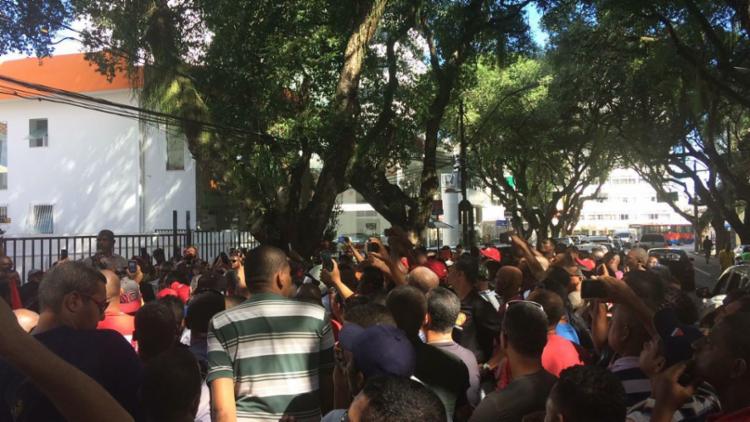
(586, 263)
(437, 267)
(379, 350)
(677, 338)
(491, 253)
(129, 305)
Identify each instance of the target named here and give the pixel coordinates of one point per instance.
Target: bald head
(113, 284)
(636, 258)
(423, 278)
(26, 319)
(508, 281)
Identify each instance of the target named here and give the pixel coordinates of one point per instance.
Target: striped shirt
(274, 349)
(703, 403)
(636, 384)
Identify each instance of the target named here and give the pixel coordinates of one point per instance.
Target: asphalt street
(705, 274)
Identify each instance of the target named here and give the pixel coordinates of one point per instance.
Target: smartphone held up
(593, 289)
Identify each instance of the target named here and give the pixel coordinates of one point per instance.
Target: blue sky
(534, 17)
(71, 46)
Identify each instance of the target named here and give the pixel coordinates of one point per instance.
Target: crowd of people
(385, 331)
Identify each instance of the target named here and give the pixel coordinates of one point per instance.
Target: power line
(34, 91)
(37, 91)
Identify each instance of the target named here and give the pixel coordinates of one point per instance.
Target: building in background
(626, 202)
(70, 170)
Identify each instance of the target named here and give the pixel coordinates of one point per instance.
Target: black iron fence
(42, 252)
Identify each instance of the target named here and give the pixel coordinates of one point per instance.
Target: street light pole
(696, 235)
(466, 211)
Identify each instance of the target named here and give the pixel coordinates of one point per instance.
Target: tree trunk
(744, 231)
(338, 160)
(722, 235)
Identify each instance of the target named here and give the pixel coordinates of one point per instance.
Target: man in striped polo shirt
(271, 356)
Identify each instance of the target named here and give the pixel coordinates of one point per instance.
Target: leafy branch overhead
(537, 149)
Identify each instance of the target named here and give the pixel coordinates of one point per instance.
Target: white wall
(89, 171)
(166, 190)
(358, 216)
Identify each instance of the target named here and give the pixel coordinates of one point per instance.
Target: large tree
(266, 92)
(417, 118)
(674, 72)
(306, 97)
(542, 152)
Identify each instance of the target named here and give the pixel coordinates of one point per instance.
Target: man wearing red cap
(492, 253)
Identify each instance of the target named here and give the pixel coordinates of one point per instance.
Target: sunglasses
(101, 305)
(521, 302)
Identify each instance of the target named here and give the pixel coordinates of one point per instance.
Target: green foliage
(677, 90)
(30, 26)
(524, 124)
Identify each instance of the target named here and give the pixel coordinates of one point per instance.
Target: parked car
(588, 247)
(679, 263)
(742, 254)
(610, 243)
(734, 277)
(565, 241)
(653, 240)
(579, 239)
(625, 237)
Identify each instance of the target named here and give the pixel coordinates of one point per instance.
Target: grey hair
(68, 277)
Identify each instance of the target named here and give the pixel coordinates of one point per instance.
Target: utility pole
(465, 209)
(696, 235)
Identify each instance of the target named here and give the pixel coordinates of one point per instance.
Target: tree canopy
(537, 148)
(286, 104)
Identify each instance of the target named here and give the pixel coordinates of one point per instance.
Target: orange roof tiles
(71, 72)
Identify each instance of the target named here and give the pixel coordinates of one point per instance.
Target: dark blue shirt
(104, 355)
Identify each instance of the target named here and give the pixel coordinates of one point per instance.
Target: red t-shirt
(559, 354)
(738, 416)
(120, 322)
(336, 326)
(15, 295)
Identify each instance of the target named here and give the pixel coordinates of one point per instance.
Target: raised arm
(357, 255)
(526, 252)
(333, 279)
(619, 292)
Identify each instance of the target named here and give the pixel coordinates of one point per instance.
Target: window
(41, 219)
(3, 156)
(624, 216)
(175, 149)
(4, 215)
(367, 213)
(38, 134)
(653, 216)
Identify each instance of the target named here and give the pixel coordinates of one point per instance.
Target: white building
(359, 217)
(70, 170)
(627, 201)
